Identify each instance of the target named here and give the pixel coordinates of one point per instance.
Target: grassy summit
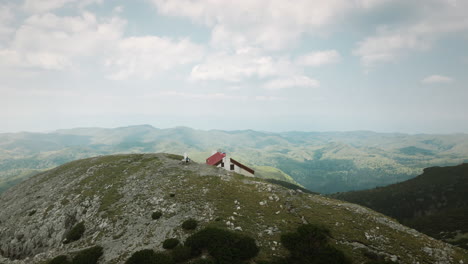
(116, 196)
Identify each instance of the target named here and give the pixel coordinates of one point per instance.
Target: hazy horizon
(228, 130)
(376, 65)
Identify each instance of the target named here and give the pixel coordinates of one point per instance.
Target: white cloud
(268, 98)
(145, 56)
(386, 46)
(205, 96)
(51, 42)
(390, 42)
(240, 66)
(42, 6)
(434, 79)
(289, 82)
(319, 58)
(272, 24)
(6, 17)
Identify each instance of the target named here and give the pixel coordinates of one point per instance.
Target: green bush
(156, 215)
(189, 224)
(148, 256)
(162, 258)
(62, 259)
(75, 233)
(203, 261)
(181, 254)
(309, 244)
(88, 256)
(306, 238)
(145, 256)
(223, 245)
(170, 243)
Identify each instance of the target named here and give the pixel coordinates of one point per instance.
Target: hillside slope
(435, 203)
(115, 196)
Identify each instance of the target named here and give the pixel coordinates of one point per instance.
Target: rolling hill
(324, 162)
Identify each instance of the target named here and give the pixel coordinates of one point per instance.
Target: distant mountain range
(324, 162)
(435, 203)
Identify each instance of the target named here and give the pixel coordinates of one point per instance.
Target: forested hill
(435, 203)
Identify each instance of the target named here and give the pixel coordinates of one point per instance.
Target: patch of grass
(109, 199)
(174, 156)
(75, 233)
(88, 256)
(289, 185)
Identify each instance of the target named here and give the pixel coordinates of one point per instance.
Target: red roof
(215, 158)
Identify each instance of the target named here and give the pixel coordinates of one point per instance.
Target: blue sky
(381, 65)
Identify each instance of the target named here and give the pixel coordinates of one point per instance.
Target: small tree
(156, 215)
(88, 256)
(170, 243)
(75, 233)
(145, 256)
(190, 224)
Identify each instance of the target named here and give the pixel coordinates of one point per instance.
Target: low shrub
(162, 258)
(88, 256)
(148, 256)
(223, 245)
(62, 259)
(156, 215)
(306, 238)
(309, 244)
(181, 254)
(203, 261)
(190, 224)
(75, 233)
(145, 256)
(170, 243)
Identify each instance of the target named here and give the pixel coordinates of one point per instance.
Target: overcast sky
(275, 65)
